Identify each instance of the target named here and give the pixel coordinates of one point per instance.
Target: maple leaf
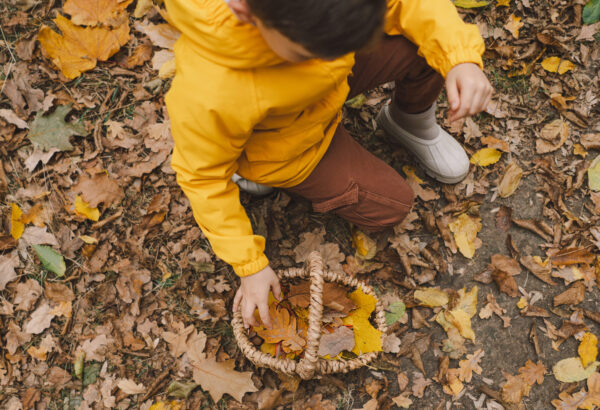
(513, 25)
(93, 12)
(219, 378)
(53, 132)
(79, 49)
(284, 329)
(533, 372)
(99, 189)
(470, 365)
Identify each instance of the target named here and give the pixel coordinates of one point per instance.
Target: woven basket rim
(323, 366)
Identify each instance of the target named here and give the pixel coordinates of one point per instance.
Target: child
(258, 92)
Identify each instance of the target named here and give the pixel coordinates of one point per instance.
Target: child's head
(298, 30)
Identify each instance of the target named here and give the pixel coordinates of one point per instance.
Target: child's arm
(450, 46)
(211, 121)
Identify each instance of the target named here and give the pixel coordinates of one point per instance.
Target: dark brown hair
(326, 28)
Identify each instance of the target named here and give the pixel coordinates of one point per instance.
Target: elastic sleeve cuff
(459, 57)
(251, 268)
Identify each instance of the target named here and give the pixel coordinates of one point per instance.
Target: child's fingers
(237, 299)
(263, 310)
(452, 94)
(248, 314)
(277, 290)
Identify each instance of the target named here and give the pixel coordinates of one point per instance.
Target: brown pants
(351, 181)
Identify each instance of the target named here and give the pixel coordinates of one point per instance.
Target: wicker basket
(310, 365)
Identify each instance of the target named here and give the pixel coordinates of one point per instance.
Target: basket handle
(307, 365)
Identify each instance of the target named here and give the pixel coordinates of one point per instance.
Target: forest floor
(142, 303)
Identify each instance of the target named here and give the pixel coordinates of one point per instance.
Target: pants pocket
(367, 209)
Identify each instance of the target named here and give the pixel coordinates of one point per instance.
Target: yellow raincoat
(235, 106)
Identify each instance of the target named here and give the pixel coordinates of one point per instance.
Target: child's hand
(254, 293)
(468, 90)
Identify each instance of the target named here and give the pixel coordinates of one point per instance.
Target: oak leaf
(514, 388)
(533, 372)
(513, 25)
(219, 378)
(79, 49)
(334, 343)
(53, 132)
(470, 365)
(284, 329)
(94, 12)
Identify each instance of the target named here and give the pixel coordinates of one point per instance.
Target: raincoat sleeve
(208, 143)
(444, 40)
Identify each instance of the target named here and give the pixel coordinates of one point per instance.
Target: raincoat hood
(216, 34)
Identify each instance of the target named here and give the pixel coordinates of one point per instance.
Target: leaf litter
(140, 284)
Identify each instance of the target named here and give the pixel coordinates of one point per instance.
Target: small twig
(156, 384)
(108, 220)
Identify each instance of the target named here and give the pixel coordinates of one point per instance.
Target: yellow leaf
(366, 303)
(431, 297)
(588, 349)
(594, 174)
(579, 149)
(505, 3)
(366, 337)
(465, 230)
(409, 171)
(467, 301)
(93, 12)
(485, 157)
(88, 239)
(16, 225)
(142, 7)
(513, 25)
(510, 180)
(470, 4)
(167, 70)
(78, 49)
(268, 348)
(557, 65)
(364, 245)
(82, 208)
(163, 405)
(522, 303)
(462, 321)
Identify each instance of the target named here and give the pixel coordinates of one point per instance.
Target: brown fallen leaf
(509, 181)
(572, 256)
(506, 283)
(505, 264)
(99, 189)
(219, 378)
(335, 296)
(536, 226)
(533, 372)
(503, 218)
(514, 388)
(572, 296)
(470, 365)
(542, 272)
(332, 344)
